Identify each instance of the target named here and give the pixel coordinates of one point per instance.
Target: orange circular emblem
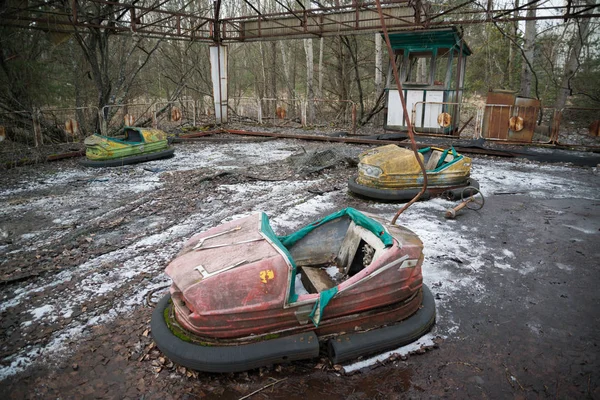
(444, 120)
(515, 124)
(175, 114)
(71, 127)
(129, 120)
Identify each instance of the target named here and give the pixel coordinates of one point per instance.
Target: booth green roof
(428, 40)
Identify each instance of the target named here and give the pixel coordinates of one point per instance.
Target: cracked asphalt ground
(82, 253)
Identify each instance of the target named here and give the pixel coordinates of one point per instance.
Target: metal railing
(23, 131)
(511, 123)
(74, 123)
(577, 126)
(113, 117)
(287, 112)
(169, 115)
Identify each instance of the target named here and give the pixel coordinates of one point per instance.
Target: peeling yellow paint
(266, 275)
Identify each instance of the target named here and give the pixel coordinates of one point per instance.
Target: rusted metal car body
(393, 173)
(239, 283)
(244, 288)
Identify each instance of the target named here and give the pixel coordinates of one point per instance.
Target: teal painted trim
(283, 243)
(444, 166)
(359, 219)
(441, 161)
(112, 139)
(324, 298)
(425, 150)
(265, 228)
(429, 39)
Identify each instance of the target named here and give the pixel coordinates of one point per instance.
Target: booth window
(419, 68)
(399, 62)
(441, 67)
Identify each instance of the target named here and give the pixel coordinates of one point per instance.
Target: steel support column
(218, 73)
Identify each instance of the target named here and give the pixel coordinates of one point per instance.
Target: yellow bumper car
(392, 173)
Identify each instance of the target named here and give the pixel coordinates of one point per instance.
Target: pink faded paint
(242, 289)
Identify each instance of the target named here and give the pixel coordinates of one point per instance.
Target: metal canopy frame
(227, 21)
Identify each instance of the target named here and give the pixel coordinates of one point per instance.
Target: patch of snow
(564, 267)
(501, 265)
(235, 216)
(535, 180)
(535, 328)
(425, 340)
(508, 253)
(527, 268)
(39, 312)
(145, 186)
(332, 271)
(304, 212)
(298, 286)
(584, 230)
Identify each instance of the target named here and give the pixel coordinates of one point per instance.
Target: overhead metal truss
(250, 20)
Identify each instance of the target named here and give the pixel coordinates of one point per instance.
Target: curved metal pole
(405, 112)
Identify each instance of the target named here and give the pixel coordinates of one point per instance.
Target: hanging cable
(405, 112)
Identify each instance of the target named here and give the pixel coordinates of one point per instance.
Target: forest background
(556, 61)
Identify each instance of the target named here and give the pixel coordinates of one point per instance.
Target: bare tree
(581, 34)
(320, 92)
(310, 91)
(528, 52)
(378, 63)
(114, 60)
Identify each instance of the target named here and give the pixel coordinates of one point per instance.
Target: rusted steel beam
(155, 9)
(325, 29)
(199, 134)
(53, 157)
(366, 141)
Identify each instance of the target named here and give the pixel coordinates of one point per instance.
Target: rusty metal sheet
(497, 114)
(528, 110)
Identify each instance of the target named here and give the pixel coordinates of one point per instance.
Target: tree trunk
(320, 92)
(378, 63)
(580, 37)
(288, 81)
(528, 52)
(273, 88)
(263, 86)
(310, 93)
(511, 50)
(353, 51)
